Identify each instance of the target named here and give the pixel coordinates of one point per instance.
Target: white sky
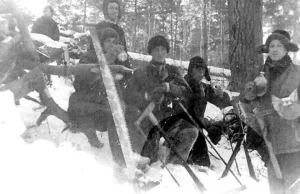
(34, 6)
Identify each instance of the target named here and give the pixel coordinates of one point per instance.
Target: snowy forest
(45, 150)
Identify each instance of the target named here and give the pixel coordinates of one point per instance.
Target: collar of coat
(109, 21)
(285, 79)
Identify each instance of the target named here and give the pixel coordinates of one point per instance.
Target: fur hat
(105, 5)
(198, 61)
(158, 41)
(281, 35)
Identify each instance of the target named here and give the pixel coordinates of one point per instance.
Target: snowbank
(65, 163)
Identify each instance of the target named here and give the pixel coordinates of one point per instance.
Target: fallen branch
(7, 74)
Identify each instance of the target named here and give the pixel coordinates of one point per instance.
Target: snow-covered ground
(45, 161)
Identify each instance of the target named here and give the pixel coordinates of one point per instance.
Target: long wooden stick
(272, 155)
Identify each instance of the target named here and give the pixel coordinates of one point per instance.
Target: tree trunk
(204, 30)
(84, 17)
(135, 26)
(172, 34)
(245, 32)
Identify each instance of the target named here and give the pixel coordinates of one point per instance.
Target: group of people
(160, 83)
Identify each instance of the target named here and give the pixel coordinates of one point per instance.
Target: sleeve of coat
(36, 25)
(56, 33)
(133, 94)
(178, 85)
(220, 102)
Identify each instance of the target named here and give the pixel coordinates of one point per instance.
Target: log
(67, 70)
(6, 48)
(34, 80)
(26, 84)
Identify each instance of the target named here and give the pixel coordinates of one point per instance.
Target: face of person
(48, 13)
(159, 54)
(112, 11)
(198, 73)
(108, 43)
(276, 50)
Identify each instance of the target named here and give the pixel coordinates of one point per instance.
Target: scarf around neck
(274, 69)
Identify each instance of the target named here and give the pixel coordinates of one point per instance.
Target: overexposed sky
(34, 6)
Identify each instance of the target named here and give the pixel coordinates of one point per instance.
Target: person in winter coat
(46, 25)
(88, 105)
(161, 83)
(276, 102)
(112, 15)
(196, 102)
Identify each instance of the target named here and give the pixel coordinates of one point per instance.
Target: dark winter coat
(145, 79)
(46, 26)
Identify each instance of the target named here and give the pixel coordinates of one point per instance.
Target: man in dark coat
(160, 83)
(46, 25)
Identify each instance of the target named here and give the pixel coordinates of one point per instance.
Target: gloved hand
(250, 91)
(158, 93)
(219, 91)
(115, 52)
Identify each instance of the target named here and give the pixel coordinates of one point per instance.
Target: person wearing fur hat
(161, 83)
(196, 102)
(46, 25)
(275, 98)
(88, 105)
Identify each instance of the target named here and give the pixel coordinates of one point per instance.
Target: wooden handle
(272, 155)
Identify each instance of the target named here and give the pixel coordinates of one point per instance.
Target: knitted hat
(108, 33)
(281, 35)
(198, 61)
(105, 5)
(158, 41)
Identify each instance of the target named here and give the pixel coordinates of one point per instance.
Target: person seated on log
(195, 101)
(160, 83)
(274, 98)
(46, 25)
(88, 105)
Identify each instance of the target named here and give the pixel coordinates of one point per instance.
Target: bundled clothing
(46, 26)
(90, 111)
(284, 133)
(196, 105)
(139, 93)
(175, 122)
